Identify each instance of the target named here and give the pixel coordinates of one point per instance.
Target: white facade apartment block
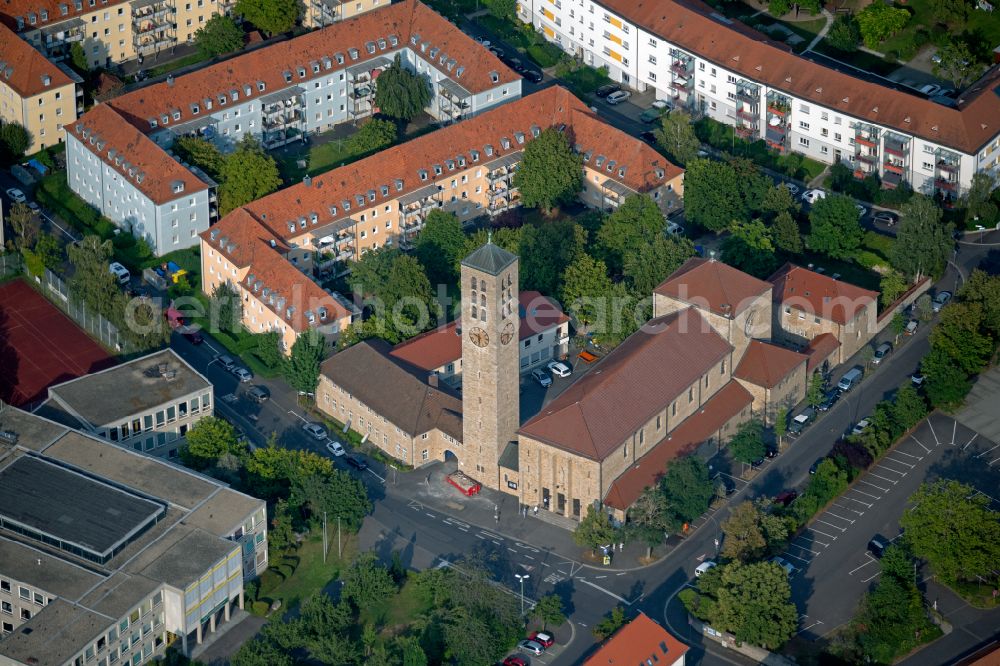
(641, 60)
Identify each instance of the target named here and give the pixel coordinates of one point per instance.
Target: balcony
(892, 179)
(744, 132)
(749, 114)
(681, 68)
(867, 158)
(897, 146)
(947, 166)
(781, 109)
(362, 92)
(748, 92)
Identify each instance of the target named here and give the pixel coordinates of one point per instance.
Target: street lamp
(522, 578)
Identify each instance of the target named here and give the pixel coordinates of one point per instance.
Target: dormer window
(621, 172)
(339, 57)
(234, 94)
(371, 195)
(333, 210)
(599, 161)
(353, 53)
(315, 68)
(474, 154)
(207, 103)
(434, 52)
(164, 119)
(195, 109)
(153, 123)
(399, 185)
(437, 170)
(385, 190)
(450, 164)
(370, 47)
(393, 40)
(488, 150)
(177, 115)
(327, 63)
(291, 227)
(63, 10)
(346, 204)
(611, 166)
(519, 137)
(302, 223)
(360, 200)
(302, 72)
(423, 174)
(459, 72)
(495, 77)
(45, 15)
(535, 131)
(505, 142)
(222, 100)
(461, 160)
(247, 90)
(381, 44)
(261, 86)
(414, 39)
(313, 218)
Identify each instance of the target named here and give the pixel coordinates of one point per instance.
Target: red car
(544, 638)
(514, 661)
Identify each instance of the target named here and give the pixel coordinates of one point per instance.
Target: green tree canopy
(550, 172)
(754, 603)
(595, 530)
(202, 153)
(712, 194)
(752, 532)
(92, 282)
(844, 34)
(957, 63)
(336, 494)
(676, 136)
(980, 208)
(219, 35)
(225, 308)
(777, 200)
(78, 58)
(984, 289)
(786, 234)
(549, 610)
(302, 367)
(814, 392)
(439, 247)
(208, 440)
(687, 487)
(400, 93)
(961, 335)
(923, 244)
(546, 250)
(15, 140)
(650, 518)
(833, 227)
(750, 248)
(502, 9)
(247, 174)
(891, 286)
(647, 265)
(946, 384)
(270, 16)
(878, 22)
(747, 444)
(638, 220)
(396, 287)
(367, 582)
(373, 136)
(587, 290)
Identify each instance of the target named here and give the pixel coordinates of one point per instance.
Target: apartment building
(713, 66)
(108, 556)
(41, 96)
(543, 335)
(321, 13)
(147, 404)
(134, 183)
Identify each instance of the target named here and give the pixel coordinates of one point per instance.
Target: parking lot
(833, 567)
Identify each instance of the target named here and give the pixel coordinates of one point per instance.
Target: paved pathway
(822, 33)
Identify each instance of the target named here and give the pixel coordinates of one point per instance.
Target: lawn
(582, 80)
(302, 573)
(173, 65)
(320, 159)
(849, 271)
(409, 603)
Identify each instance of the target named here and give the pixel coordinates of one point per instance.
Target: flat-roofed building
(109, 556)
(147, 404)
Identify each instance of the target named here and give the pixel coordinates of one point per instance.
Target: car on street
(886, 217)
(877, 546)
(618, 97)
(16, 195)
(815, 465)
(258, 394)
(226, 362)
(931, 88)
(784, 564)
(242, 374)
(120, 272)
(541, 377)
(786, 497)
(862, 211)
(703, 567)
(335, 448)
(860, 426)
(663, 104)
(532, 647)
(194, 337)
(792, 187)
(851, 378)
(543, 637)
(533, 75)
(917, 379)
(911, 327)
(940, 300)
(34, 207)
(648, 136)
(758, 462)
(650, 115)
(830, 398)
(674, 229)
(559, 369)
(604, 91)
(800, 421)
(357, 462)
(812, 196)
(882, 351)
(514, 661)
(315, 430)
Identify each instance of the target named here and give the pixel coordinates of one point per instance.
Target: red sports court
(40, 346)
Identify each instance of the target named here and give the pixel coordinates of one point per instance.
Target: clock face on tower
(479, 337)
(507, 334)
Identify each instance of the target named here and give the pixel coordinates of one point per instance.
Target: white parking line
(808, 550)
(369, 470)
(802, 559)
(861, 492)
(885, 468)
(872, 577)
(919, 443)
(831, 513)
(930, 425)
(974, 435)
(990, 464)
(297, 415)
(892, 481)
(889, 458)
(987, 450)
(830, 536)
(867, 483)
(844, 496)
(954, 428)
(870, 560)
(908, 455)
(836, 527)
(847, 508)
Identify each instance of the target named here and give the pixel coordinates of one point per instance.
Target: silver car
(541, 377)
(940, 300)
(243, 374)
(316, 430)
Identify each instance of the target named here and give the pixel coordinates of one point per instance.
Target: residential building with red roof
(39, 95)
(689, 54)
(543, 336)
(775, 376)
(808, 304)
(640, 642)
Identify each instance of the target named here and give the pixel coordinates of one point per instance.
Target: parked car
(917, 379)
(533, 75)
(226, 362)
(315, 430)
(940, 300)
(482, 40)
(541, 377)
(258, 394)
(911, 327)
(559, 369)
(674, 229)
(931, 88)
(16, 195)
(663, 104)
(530, 646)
(242, 374)
(862, 211)
(120, 272)
(648, 136)
(860, 427)
(881, 352)
(771, 451)
(784, 564)
(335, 448)
(851, 378)
(786, 497)
(886, 217)
(830, 398)
(800, 421)
(703, 567)
(815, 465)
(514, 661)
(792, 187)
(812, 196)
(650, 115)
(357, 462)
(604, 91)
(543, 637)
(194, 337)
(618, 97)
(34, 207)
(877, 546)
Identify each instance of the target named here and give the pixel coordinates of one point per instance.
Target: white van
(120, 272)
(851, 378)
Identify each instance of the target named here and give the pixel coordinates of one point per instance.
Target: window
(803, 125)
(803, 141)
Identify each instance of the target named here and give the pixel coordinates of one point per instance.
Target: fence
(57, 292)
(10, 265)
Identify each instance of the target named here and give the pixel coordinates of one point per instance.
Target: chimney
(432, 379)
(170, 80)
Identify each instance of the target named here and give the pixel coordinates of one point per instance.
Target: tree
(207, 441)
(92, 282)
(676, 136)
(751, 532)
(952, 527)
(22, 222)
(779, 199)
(611, 623)
(780, 424)
(225, 308)
(550, 173)
(844, 34)
(815, 393)
(956, 63)
(651, 517)
(15, 140)
(834, 228)
(749, 248)
(779, 7)
(268, 349)
(439, 246)
(923, 244)
(202, 153)
(396, 289)
(891, 286)
(754, 603)
(400, 93)
(247, 174)
(978, 201)
(878, 22)
(747, 445)
(367, 582)
(946, 384)
(270, 16)
(260, 653)
(712, 195)
(786, 234)
(302, 368)
(647, 265)
(587, 290)
(949, 12)
(595, 530)
(219, 35)
(638, 220)
(549, 609)
(960, 334)
(373, 136)
(502, 9)
(49, 251)
(984, 289)
(78, 58)
(687, 487)
(336, 494)
(546, 250)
